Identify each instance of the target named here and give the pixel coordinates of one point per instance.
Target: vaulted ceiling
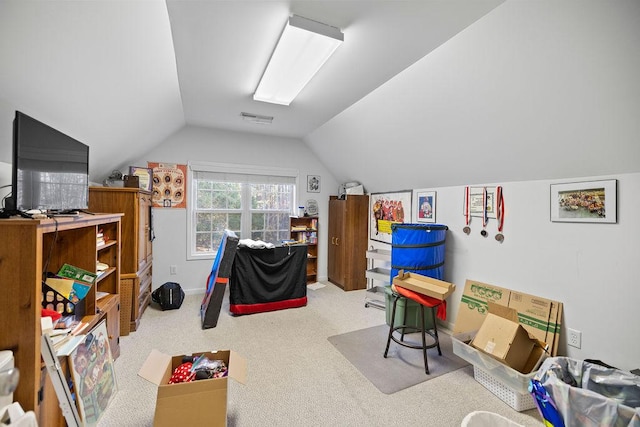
(122, 76)
(494, 89)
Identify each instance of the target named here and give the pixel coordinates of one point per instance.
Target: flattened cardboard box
(536, 314)
(434, 288)
(202, 402)
(473, 305)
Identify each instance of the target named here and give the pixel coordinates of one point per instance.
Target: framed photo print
(588, 201)
(144, 174)
(424, 205)
(313, 183)
(386, 209)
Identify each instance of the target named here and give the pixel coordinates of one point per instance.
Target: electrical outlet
(173, 270)
(574, 338)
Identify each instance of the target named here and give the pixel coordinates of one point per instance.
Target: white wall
(202, 145)
(538, 89)
(533, 91)
(5, 179)
(591, 268)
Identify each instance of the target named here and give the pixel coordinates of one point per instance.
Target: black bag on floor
(169, 296)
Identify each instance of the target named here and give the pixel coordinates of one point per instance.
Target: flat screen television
(50, 170)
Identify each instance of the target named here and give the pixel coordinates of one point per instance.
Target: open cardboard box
(424, 285)
(202, 402)
(502, 337)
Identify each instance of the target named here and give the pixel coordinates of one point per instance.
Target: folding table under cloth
(268, 279)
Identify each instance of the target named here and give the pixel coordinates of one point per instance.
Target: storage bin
(511, 386)
(418, 248)
(412, 308)
(415, 248)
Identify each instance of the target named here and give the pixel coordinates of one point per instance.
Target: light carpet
(403, 367)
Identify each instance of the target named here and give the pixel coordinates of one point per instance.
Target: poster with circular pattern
(169, 185)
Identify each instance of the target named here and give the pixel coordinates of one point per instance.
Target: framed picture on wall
(386, 209)
(169, 185)
(313, 183)
(588, 201)
(476, 202)
(424, 205)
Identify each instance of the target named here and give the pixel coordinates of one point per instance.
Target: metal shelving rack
(375, 294)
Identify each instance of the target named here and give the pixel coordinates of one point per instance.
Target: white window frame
(228, 168)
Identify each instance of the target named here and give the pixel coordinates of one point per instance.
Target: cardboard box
(539, 316)
(202, 402)
(424, 285)
(502, 337)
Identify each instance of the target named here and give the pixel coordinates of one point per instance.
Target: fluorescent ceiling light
(254, 118)
(303, 48)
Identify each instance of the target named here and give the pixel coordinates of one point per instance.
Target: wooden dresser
(137, 248)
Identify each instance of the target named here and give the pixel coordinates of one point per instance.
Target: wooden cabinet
(348, 227)
(137, 250)
(30, 249)
(304, 229)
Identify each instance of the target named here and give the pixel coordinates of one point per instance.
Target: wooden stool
(423, 301)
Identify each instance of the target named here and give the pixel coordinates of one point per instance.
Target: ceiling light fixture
(303, 48)
(254, 118)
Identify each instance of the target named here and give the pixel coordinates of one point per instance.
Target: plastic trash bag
(588, 394)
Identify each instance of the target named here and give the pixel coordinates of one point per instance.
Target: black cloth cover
(268, 275)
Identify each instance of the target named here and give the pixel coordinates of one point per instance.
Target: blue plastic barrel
(418, 248)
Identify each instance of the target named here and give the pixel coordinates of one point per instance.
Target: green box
(412, 308)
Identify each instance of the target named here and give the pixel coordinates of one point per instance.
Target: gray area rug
(403, 367)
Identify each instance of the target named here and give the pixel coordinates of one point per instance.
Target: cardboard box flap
(424, 285)
(154, 369)
(502, 311)
(237, 367)
(539, 353)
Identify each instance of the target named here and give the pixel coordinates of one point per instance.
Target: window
(253, 202)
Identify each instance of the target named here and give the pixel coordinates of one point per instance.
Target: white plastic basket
(518, 401)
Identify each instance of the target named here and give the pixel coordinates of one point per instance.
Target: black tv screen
(50, 169)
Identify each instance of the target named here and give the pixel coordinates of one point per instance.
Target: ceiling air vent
(254, 118)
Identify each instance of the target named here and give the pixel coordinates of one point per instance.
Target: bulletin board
(169, 185)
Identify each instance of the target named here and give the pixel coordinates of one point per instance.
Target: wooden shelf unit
(136, 274)
(304, 229)
(29, 248)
